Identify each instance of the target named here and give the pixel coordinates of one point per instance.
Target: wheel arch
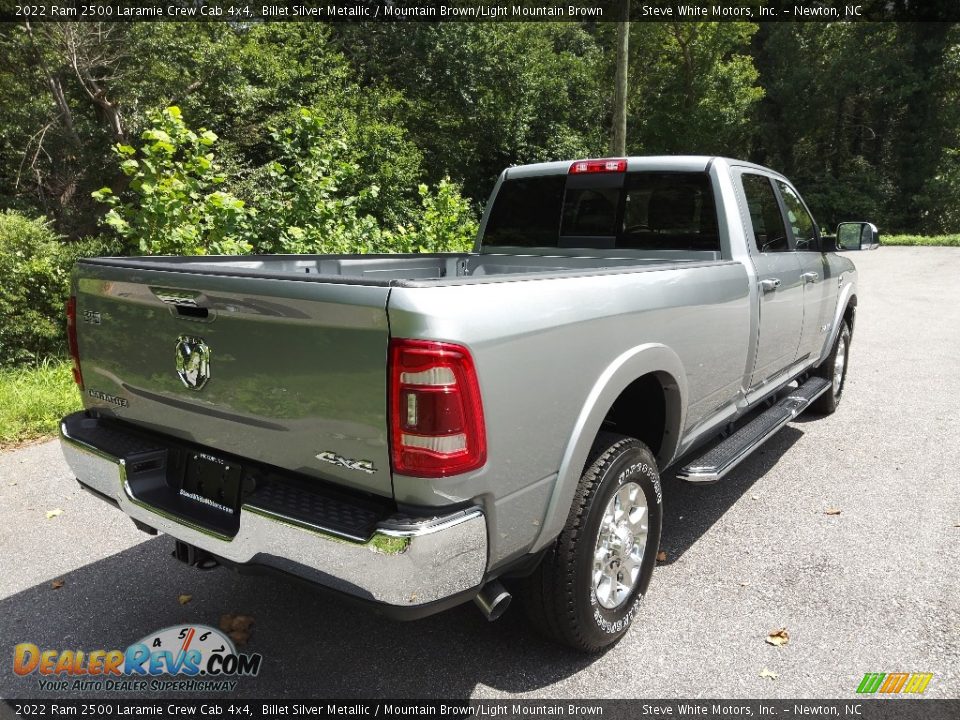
(643, 372)
(846, 311)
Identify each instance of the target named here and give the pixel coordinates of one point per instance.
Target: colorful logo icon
(894, 683)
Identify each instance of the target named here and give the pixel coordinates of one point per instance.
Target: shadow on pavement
(690, 510)
(315, 645)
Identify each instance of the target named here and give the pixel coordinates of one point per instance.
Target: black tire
(827, 403)
(561, 597)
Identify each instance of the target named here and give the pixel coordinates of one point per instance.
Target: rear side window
(639, 210)
(769, 232)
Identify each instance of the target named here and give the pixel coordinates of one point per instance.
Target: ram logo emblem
(193, 361)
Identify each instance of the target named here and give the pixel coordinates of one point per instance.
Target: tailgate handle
(183, 303)
(192, 311)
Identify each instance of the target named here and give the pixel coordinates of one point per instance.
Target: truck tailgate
(290, 372)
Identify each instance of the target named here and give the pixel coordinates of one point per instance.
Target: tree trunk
(618, 139)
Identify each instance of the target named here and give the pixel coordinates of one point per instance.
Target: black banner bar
(240, 11)
(892, 708)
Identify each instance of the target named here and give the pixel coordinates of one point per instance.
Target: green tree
(477, 97)
(693, 88)
(304, 208)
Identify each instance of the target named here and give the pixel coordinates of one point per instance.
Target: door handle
(810, 277)
(770, 284)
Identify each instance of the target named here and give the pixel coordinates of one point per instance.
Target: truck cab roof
(685, 163)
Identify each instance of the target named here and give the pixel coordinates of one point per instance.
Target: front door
(778, 274)
(819, 290)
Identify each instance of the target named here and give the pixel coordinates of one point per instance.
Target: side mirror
(857, 236)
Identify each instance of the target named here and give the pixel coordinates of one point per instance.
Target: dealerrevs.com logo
(178, 658)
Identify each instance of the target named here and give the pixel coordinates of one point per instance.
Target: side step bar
(724, 457)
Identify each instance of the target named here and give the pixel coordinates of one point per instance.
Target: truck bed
(398, 270)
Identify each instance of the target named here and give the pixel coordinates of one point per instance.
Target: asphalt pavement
(875, 588)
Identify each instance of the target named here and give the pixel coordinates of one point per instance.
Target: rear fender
(634, 363)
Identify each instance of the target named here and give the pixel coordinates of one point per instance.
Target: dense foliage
(173, 206)
(311, 201)
(864, 116)
(35, 267)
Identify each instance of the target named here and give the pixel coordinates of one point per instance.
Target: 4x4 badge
(193, 361)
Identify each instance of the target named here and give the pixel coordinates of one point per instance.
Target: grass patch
(33, 398)
(948, 240)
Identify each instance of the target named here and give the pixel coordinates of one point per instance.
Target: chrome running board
(730, 452)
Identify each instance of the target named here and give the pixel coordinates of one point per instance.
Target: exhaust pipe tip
(493, 600)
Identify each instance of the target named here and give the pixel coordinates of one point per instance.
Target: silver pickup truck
(412, 430)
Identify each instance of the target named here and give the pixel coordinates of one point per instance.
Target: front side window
(804, 229)
(769, 232)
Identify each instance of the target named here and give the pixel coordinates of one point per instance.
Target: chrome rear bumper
(407, 563)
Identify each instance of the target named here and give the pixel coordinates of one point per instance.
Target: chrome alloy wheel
(621, 542)
(838, 364)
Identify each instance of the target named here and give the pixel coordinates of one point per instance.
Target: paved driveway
(873, 589)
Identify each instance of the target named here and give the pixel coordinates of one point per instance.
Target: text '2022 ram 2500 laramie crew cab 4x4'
(411, 429)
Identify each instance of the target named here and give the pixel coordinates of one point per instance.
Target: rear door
(288, 372)
(778, 274)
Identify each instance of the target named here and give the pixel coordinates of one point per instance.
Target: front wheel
(587, 590)
(834, 370)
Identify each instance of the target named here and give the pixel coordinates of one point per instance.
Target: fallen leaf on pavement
(768, 674)
(661, 556)
(778, 637)
(832, 511)
(54, 513)
(184, 599)
(237, 627)
(56, 584)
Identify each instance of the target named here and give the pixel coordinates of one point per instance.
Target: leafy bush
(175, 209)
(35, 265)
(304, 210)
(445, 223)
(308, 199)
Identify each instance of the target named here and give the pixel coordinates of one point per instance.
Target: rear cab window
(769, 231)
(641, 210)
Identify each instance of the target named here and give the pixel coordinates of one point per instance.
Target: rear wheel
(588, 589)
(834, 369)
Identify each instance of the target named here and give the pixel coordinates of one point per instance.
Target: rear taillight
(72, 340)
(607, 165)
(436, 416)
